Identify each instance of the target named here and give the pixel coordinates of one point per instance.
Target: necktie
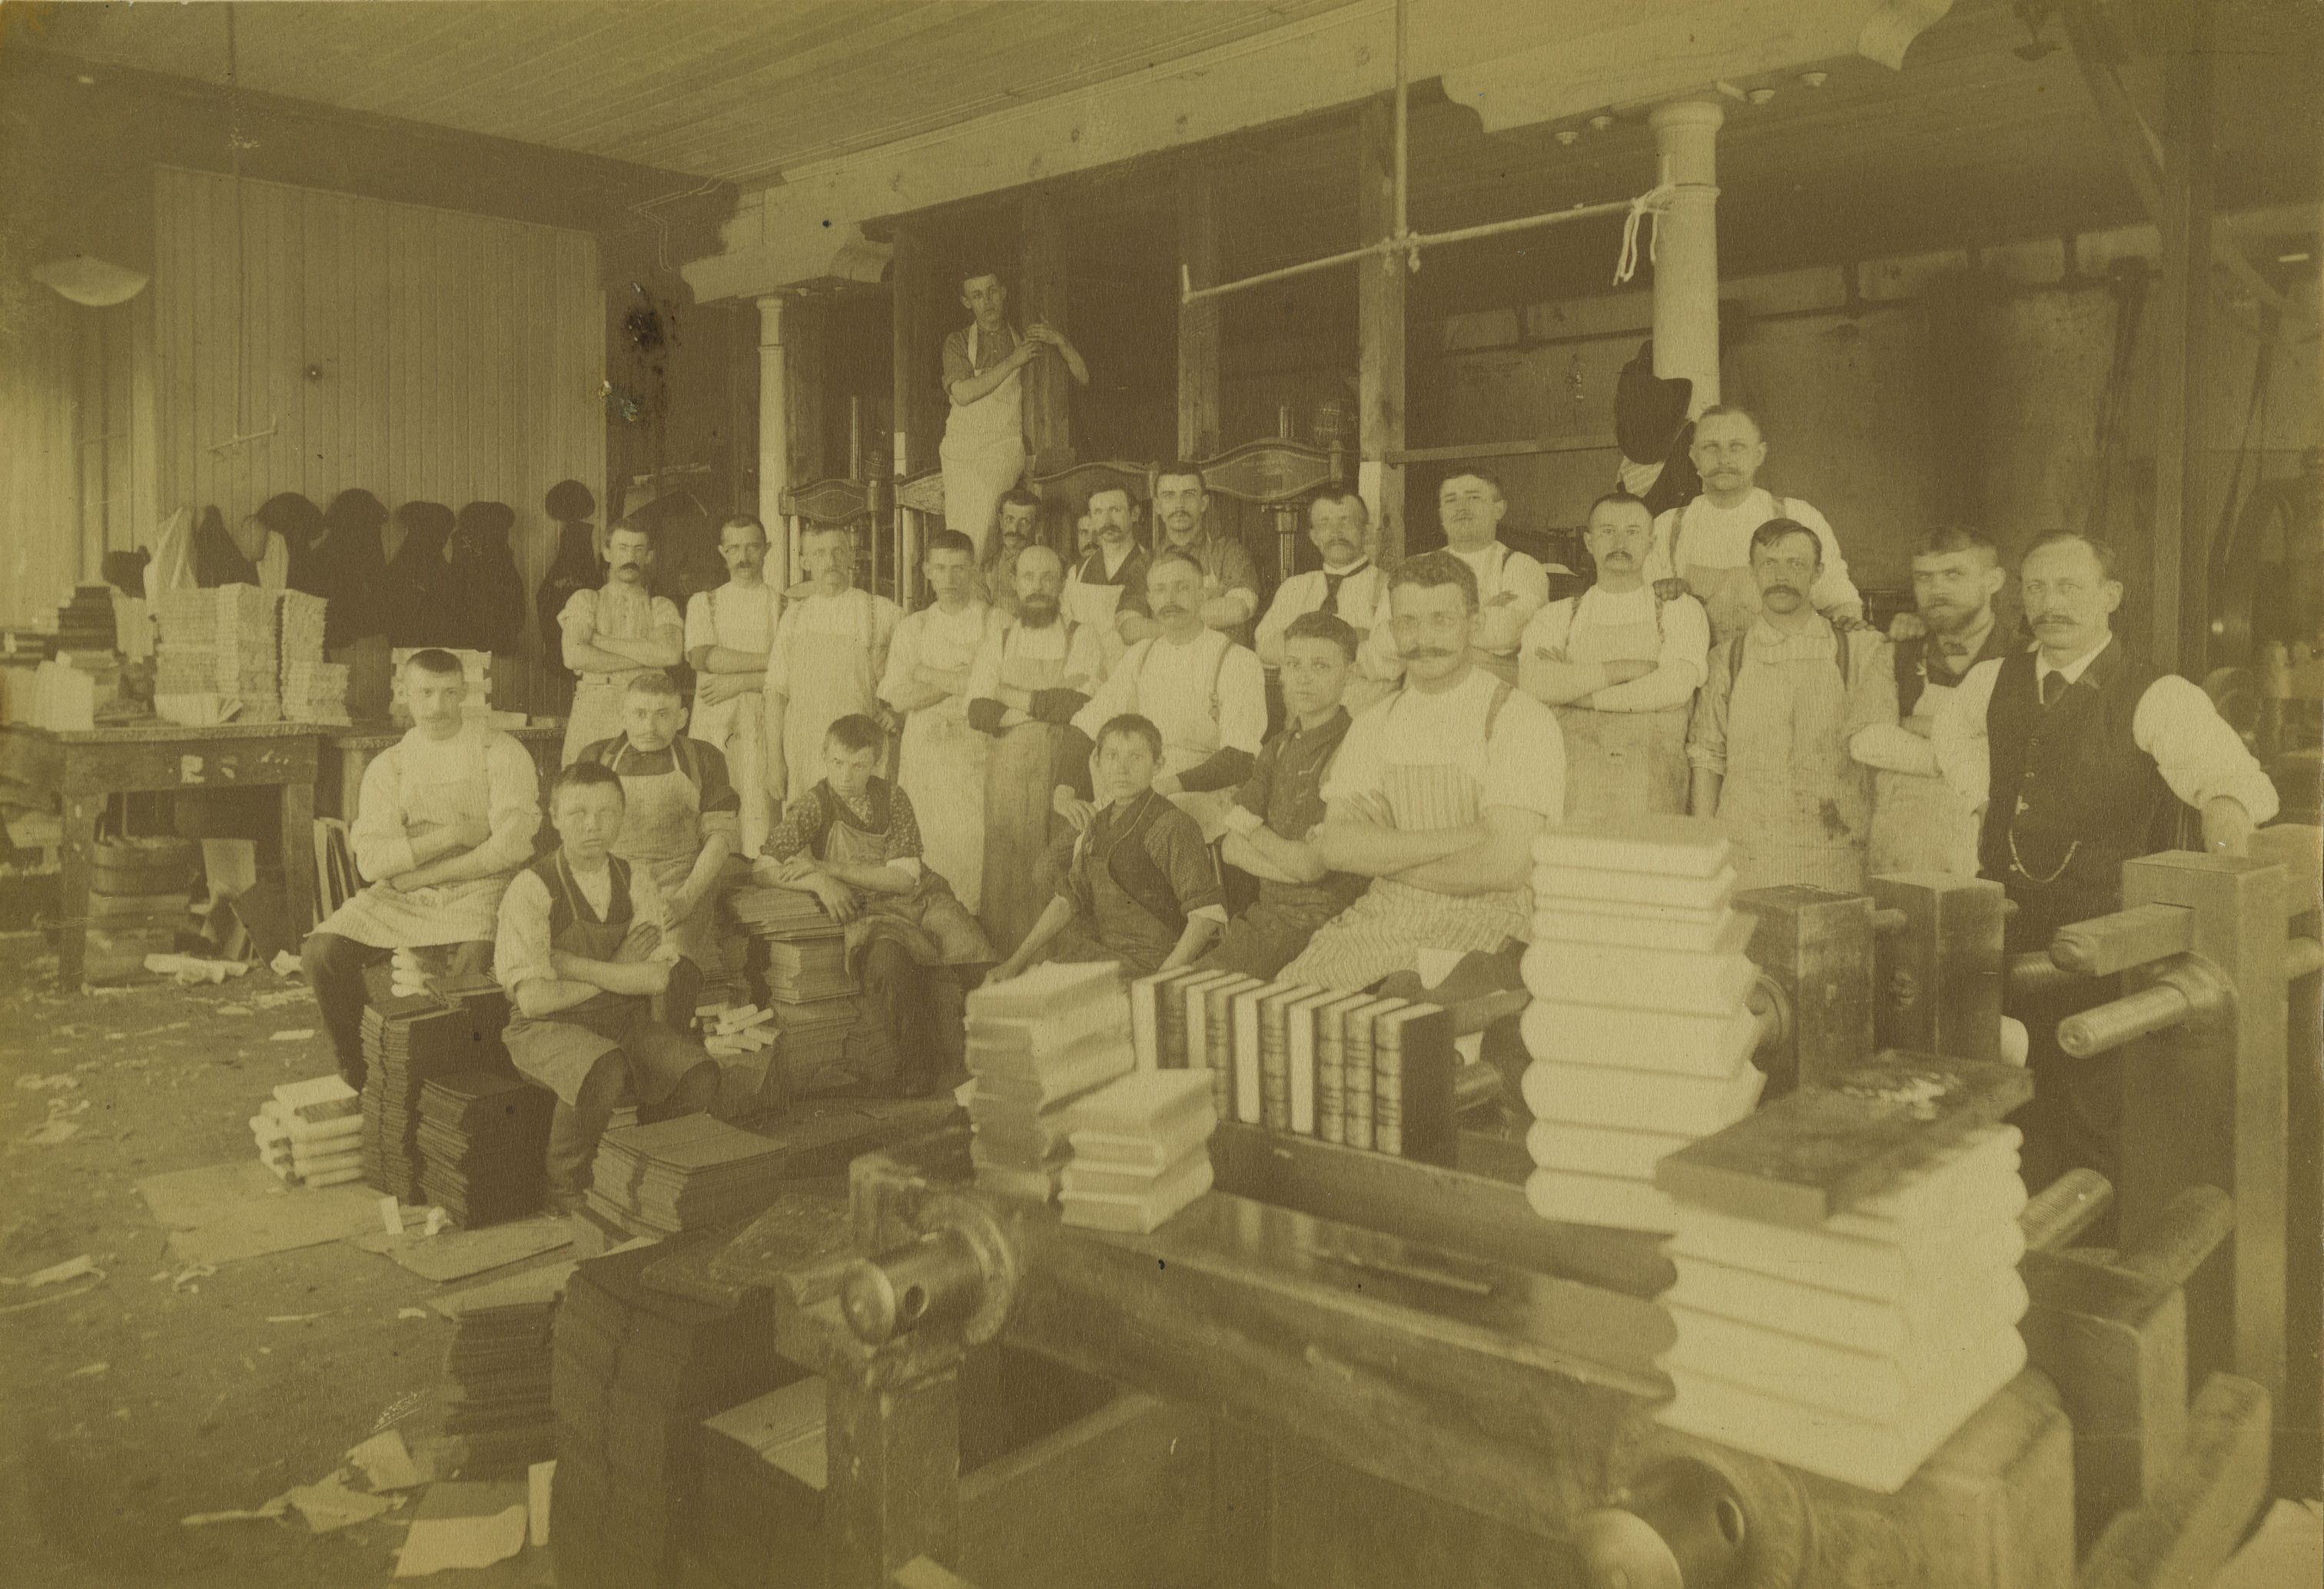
(1332, 583)
(2053, 685)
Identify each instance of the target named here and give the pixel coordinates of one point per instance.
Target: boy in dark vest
(2082, 758)
(582, 953)
(852, 841)
(1139, 887)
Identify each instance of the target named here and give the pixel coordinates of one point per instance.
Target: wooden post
(892, 1432)
(2180, 599)
(1041, 290)
(1198, 323)
(1379, 328)
(774, 440)
(919, 408)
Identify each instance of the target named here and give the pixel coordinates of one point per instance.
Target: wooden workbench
(82, 767)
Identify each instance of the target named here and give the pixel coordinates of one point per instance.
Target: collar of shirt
(1766, 637)
(2074, 669)
(1963, 649)
(1293, 730)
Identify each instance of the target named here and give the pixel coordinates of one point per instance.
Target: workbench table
(82, 767)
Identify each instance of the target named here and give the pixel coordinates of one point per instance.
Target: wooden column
(774, 441)
(2180, 597)
(893, 1434)
(1042, 280)
(918, 343)
(806, 337)
(1380, 329)
(1686, 248)
(1198, 323)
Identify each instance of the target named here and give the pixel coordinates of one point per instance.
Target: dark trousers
(2075, 1120)
(574, 1129)
(334, 969)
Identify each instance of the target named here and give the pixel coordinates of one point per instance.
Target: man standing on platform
(1282, 802)
(1106, 591)
(2079, 758)
(940, 760)
(1707, 543)
(1350, 585)
(1511, 586)
(1436, 795)
(1020, 524)
(983, 448)
(728, 633)
(446, 819)
(1206, 694)
(1619, 664)
(1230, 591)
(1023, 688)
(830, 650)
(1920, 823)
(1770, 740)
(679, 823)
(614, 632)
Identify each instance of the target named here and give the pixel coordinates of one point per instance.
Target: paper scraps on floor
(221, 1213)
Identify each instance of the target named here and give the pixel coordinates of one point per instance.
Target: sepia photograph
(1162, 794)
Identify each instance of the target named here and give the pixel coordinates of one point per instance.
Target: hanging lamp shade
(91, 281)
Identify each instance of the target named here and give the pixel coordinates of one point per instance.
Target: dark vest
(2071, 796)
(1912, 666)
(565, 904)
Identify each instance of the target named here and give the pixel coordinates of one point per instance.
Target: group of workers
(1071, 759)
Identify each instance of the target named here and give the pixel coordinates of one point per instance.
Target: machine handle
(2064, 1209)
(2140, 936)
(1681, 1526)
(937, 1278)
(2187, 989)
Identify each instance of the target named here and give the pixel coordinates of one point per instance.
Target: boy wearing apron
(830, 650)
(854, 842)
(678, 825)
(582, 954)
(446, 817)
(1620, 665)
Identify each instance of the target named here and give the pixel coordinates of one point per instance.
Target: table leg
(298, 855)
(77, 864)
(894, 1461)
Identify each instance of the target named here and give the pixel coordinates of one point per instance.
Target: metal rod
(2125, 1019)
(1497, 449)
(2035, 974)
(1403, 118)
(2105, 945)
(1579, 212)
(1385, 246)
(2064, 1209)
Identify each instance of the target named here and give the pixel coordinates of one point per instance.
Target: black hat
(487, 520)
(292, 517)
(569, 502)
(1649, 408)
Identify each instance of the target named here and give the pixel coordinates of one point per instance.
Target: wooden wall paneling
(121, 432)
(145, 510)
(321, 463)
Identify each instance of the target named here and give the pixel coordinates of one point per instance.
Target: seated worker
(582, 955)
(1139, 886)
(681, 820)
(1436, 795)
(446, 819)
(854, 842)
(1282, 802)
(1350, 584)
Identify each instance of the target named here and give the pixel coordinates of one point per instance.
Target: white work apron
(1620, 763)
(623, 613)
(738, 726)
(983, 453)
(1729, 598)
(1919, 823)
(436, 786)
(1794, 803)
(830, 675)
(661, 832)
(1093, 607)
(940, 765)
(1025, 767)
(1190, 727)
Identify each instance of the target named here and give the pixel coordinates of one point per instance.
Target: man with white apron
(1436, 795)
(1230, 592)
(1350, 585)
(1707, 543)
(1620, 665)
(983, 447)
(1206, 694)
(678, 824)
(611, 634)
(1921, 823)
(729, 632)
(852, 840)
(1109, 579)
(830, 650)
(939, 758)
(1026, 684)
(1511, 586)
(446, 817)
(582, 954)
(1770, 740)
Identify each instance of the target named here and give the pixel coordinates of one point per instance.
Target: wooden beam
(1044, 278)
(1198, 323)
(1380, 329)
(918, 351)
(2179, 555)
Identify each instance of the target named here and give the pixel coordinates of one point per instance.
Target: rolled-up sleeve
(579, 621)
(1242, 707)
(2199, 754)
(1185, 860)
(1706, 731)
(376, 836)
(1525, 759)
(1957, 733)
(521, 945)
(648, 919)
(515, 811)
(779, 655)
(701, 624)
(897, 677)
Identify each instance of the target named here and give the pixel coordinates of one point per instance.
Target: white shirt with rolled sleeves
(2201, 756)
(1360, 598)
(1679, 662)
(522, 949)
(1172, 686)
(1501, 571)
(1704, 535)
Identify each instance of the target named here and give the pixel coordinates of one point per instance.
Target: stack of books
(406, 1046)
(1853, 1348)
(1639, 1029)
(1140, 1150)
(782, 915)
(1035, 1045)
(496, 1387)
(309, 1132)
(315, 692)
(804, 970)
(217, 658)
(682, 1174)
(815, 1043)
(797, 954)
(484, 1143)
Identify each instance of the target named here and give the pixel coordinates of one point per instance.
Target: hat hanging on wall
(91, 281)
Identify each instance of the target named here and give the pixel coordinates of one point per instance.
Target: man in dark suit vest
(2082, 758)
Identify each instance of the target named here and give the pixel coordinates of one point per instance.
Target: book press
(1714, 1269)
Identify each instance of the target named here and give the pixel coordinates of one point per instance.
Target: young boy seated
(1139, 886)
(852, 841)
(582, 954)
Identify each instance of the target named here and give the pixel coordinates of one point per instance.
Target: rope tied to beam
(1655, 202)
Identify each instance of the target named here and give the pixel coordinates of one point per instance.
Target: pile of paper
(496, 1387)
(1639, 1029)
(219, 654)
(315, 692)
(764, 1468)
(1035, 1045)
(814, 1038)
(681, 1174)
(300, 617)
(1140, 1150)
(309, 1132)
(1854, 1348)
(484, 1144)
(782, 914)
(405, 1049)
(802, 970)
